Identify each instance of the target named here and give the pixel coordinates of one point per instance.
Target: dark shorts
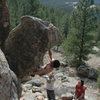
(81, 99)
(51, 95)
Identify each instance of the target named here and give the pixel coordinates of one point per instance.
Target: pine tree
(13, 10)
(66, 26)
(80, 40)
(29, 7)
(19, 8)
(98, 33)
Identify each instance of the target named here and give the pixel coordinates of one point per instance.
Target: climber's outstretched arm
(50, 54)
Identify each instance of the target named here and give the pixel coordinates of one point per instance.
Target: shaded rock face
(9, 85)
(86, 71)
(4, 22)
(28, 42)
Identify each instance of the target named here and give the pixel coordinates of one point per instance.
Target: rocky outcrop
(28, 42)
(9, 85)
(4, 22)
(88, 72)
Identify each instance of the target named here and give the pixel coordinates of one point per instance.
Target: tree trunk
(82, 40)
(4, 22)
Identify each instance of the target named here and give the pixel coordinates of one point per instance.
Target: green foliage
(79, 42)
(98, 33)
(66, 25)
(19, 8)
(13, 10)
(61, 4)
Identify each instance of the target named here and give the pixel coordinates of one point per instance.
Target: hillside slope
(66, 5)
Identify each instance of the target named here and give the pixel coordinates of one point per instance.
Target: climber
(48, 67)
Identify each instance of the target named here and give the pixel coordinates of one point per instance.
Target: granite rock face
(9, 84)
(28, 42)
(86, 71)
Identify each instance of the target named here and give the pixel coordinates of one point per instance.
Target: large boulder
(4, 22)
(28, 42)
(88, 72)
(9, 85)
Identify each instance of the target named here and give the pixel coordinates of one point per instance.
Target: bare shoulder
(48, 66)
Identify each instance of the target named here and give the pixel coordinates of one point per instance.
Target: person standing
(50, 86)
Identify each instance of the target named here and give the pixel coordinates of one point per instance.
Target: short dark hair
(56, 63)
(82, 82)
